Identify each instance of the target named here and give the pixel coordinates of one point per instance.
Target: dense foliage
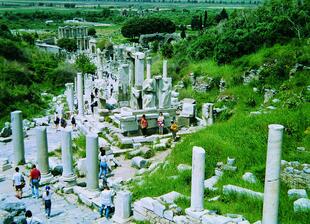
(245, 31)
(138, 26)
(67, 44)
(84, 65)
(25, 73)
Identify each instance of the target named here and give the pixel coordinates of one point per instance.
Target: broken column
(165, 71)
(92, 161)
(18, 137)
(148, 67)
(70, 96)
(139, 68)
(198, 176)
(122, 207)
(272, 174)
(207, 113)
(80, 94)
(42, 155)
(68, 177)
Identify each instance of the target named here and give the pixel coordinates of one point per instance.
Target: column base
(46, 179)
(194, 213)
(120, 220)
(5, 167)
(68, 181)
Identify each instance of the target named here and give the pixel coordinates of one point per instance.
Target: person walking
(63, 123)
(35, 177)
(47, 198)
(18, 183)
(106, 202)
(174, 129)
(103, 163)
(73, 122)
(143, 125)
(161, 123)
(56, 121)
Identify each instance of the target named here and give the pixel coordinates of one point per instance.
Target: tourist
(143, 125)
(94, 104)
(29, 218)
(18, 183)
(86, 107)
(96, 92)
(47, 196)
(63, 123)
(106, 201)
(56, 121)
(73, 122)
(35, 176)
(103, 163)
(92, 97)
(174, 130)
(161, 123)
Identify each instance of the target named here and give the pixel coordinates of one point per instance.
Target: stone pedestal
(18, 137)
(92, 162)
(198, 176)
(68, 177)
(42, 155)
(70, 96)
(122, 207)
(80, 94)
(272, 175)
(4, 164)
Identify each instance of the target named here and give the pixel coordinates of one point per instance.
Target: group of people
(19, 183)
(161, 126)
(63, 123)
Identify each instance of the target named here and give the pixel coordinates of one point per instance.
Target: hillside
(242, 136)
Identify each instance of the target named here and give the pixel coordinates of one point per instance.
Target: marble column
(80, 94)
(272, 175)
(165, 71)
(148, 67)
(139, 69)
(18, 137)
(70, 96)
(92, 161)
(42, 155)
(68, 177)
(198, 176)
(75, 85)
(122, 207)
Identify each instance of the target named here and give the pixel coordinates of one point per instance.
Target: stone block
(181, 219)
(229, 189)
(302, 205)
(297, 193)
(68, 190)
(139, 162)
(85, 200)
(249, 177)
(158, 208)
(147, 203)
(183, 167)
(2, 177)
(138, 217)
(209, 183)
(81, 167)
(168, 214)
(218, 219)
(170, 197)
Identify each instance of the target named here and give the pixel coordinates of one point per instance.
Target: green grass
(79, 147)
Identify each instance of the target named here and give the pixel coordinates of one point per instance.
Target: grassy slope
(243, 137)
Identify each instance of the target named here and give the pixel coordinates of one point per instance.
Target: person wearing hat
(47, 198)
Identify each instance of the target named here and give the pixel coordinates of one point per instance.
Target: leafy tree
(106, 13)
(29, 38)
(221, 16)
(91, 31)
(138, 26)
(205, 19)
(67, 44)
(167, 50)
(84, 64)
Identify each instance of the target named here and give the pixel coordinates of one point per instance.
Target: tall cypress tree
(205, 19)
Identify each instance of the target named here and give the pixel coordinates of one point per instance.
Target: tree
(222, 15)
(138, 26)
(205, 19)
(67, 44)
(91, 31)
(195, 23)
(200, 22)
(167, 50)
(84, 64)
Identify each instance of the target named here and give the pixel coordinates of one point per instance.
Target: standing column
(68, 177)
(70, 96)
(122, 207)
(165, 62)
(92, 161)
(139, 69)
(148, 67)
(198, 176)
(42, 155)
(272, 175)
(80, 94)
(18, 137)
(210, 113)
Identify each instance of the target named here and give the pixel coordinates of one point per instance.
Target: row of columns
(272, 177)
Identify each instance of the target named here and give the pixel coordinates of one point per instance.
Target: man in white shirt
(106, 201)
(18, 183)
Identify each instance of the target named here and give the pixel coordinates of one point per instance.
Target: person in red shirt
(35, 176)
(143, 125)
